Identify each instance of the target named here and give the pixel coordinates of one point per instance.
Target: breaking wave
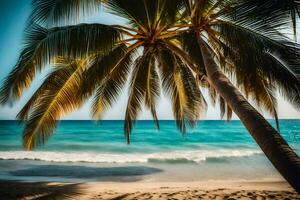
(183, 156)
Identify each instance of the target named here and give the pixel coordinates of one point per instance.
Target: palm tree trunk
(285, 160)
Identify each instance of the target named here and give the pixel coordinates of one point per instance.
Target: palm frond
(108, 74)
(180, 84)
(132, 10)
(152, 89)
(222, 104)
(270, 11)
(146, 14)
(42, 45)
(60, 97)
(44, 87)
(271, 54)
(265, 97)
(62, 12)
(287, 81)
(138, 88)
(190, 46)
(212, 94)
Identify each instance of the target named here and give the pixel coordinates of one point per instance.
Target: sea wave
(182, 156)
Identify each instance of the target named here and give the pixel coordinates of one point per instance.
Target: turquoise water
(210, 145)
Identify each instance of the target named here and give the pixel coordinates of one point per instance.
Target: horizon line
(150, 119)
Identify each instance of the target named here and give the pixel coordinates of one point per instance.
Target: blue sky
(13, 15)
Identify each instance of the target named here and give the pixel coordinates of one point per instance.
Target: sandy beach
(142, 190)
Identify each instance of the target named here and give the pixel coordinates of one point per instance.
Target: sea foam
(96, 157)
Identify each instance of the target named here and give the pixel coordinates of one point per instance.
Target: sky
(13, 15)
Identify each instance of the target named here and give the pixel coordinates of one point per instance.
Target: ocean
(81, 151)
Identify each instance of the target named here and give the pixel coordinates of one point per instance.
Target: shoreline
(148, 190)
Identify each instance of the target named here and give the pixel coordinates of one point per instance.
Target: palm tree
(242, 39)
(96, 60)
(177, 45)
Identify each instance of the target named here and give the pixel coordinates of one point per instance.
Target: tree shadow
(119, 174)
(12, 190)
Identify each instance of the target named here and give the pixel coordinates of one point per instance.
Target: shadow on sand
(12, 190)
(119, 174)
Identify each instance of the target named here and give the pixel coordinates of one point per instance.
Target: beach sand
(148, 190)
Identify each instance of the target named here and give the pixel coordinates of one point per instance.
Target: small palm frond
(24, 71)
(270, 11)
(42, 45)
(62, 12)
(153, 89)
(271, 54)
(138, 88)
(286, 80)
(212, 94)
(180, 84)
(103, 65)
(265, 97)
(132, 10)
(224, 109)
(146, 14)
(183, 56)
(108, 74)
(229, 112)
(60, 97)
(44, 87)
(192, 48)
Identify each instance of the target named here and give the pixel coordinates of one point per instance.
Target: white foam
(94, 157)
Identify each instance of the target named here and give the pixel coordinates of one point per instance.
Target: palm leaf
(265, 97)
(152, 90)
(190, 46)
(180, 84)
(270, 11)
(61, 97)
(42, 45)
(109, 75)
(146, 14)
(46, 85)
(273, 55)
(62, 12)
(138, 88)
